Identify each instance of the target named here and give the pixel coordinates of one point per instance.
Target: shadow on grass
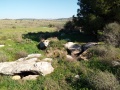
(74, 36)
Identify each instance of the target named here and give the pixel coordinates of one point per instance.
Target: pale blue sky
(39, 9)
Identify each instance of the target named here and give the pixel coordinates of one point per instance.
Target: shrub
(69, 25)
(105, 53)
(50, 25)
(103, 81)
(111, 34)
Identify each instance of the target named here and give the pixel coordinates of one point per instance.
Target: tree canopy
(94, 14)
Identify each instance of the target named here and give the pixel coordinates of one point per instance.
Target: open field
(23, 23)
(21, 38)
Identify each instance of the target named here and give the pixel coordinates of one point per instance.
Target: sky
(38, 9)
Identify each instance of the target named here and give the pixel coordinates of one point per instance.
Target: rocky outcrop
(78, 51)
(29, 65)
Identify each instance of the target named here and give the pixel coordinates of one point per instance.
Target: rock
(43, 44)
(73, 48)
(115, 63)
(2, 45)
(16, 77)
(68, 45)
(69, 58)
(77, 77)
(88, 45)
(48, 59)
(30, 77)
(25, 65)
(77, 51)
(33, 56)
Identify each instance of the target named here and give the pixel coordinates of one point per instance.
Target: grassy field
(21, 38)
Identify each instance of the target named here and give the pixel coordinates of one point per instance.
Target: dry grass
(31, 23)
(3, 57)
(56, 52)
(20, 54)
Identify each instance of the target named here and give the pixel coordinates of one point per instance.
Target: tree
(93, 15)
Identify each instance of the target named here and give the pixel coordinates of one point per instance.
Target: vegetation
(93, 15)
(111, 34)
(97, 73)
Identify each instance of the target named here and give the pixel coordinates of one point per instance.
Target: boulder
(77, 51)
(73, 48)
(43, 44)
(26, 65)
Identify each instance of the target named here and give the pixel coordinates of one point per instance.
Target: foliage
(94, 14)
(50, 25)
(111, 34)
(69, 25)
(103, 81)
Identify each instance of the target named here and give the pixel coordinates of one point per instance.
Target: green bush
(105, 53)
(50, 25)
(103, 81)
(111, 34)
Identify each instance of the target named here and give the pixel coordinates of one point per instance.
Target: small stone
(2, 45)
(115, 63)
(16, 77)
(30, 77)
(77, 76)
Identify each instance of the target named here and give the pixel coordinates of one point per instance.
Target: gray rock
(26, 65)
(73, 48)
(76, 50)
